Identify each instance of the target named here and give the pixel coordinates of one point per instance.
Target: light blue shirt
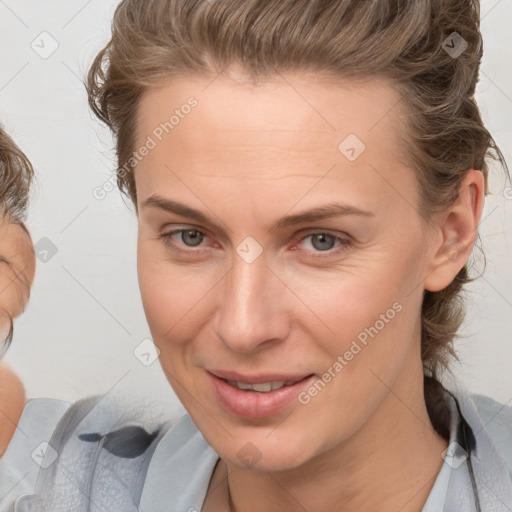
(182, 462)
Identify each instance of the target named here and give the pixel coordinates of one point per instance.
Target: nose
(253, 309)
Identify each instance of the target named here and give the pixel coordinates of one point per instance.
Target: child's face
(248, 295)
(17, 268)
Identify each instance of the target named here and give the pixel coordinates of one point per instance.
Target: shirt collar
(474, 476)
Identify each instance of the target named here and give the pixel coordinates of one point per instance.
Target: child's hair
(429, 50)
(16, 175)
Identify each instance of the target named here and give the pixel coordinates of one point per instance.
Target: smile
(261, 399)
(263, 387)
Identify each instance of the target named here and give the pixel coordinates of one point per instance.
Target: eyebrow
(328, 211)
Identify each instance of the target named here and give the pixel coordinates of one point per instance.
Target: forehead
(285, 130)
(297, 104)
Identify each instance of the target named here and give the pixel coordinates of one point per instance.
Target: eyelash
(344, 244)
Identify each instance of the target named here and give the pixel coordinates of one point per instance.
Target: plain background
(85, 316)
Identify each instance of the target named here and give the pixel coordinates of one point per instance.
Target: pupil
(192, 236)
(322, 238)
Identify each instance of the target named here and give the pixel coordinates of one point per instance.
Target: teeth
(263, 387)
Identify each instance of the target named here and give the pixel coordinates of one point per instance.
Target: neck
(391, 463)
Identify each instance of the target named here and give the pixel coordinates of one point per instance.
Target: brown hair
(398, 40)
(16, 175)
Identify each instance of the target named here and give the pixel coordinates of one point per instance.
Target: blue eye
(192, 237)
(323, 243)
(324, 240)
(189, 238)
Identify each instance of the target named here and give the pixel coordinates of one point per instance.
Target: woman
(17, 266)
(308, 179)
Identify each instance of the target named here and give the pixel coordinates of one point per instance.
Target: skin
(17, 269)
(12, 402)
(246, 156)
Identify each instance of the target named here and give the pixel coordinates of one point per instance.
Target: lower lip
(253, 404)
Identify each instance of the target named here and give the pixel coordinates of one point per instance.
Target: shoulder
(95, 439)
(37, 422)
(102, 443)
(180, 470)
(12, 402)
(23, 457)
(497, 420)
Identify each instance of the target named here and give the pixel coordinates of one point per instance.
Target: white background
(85, 316)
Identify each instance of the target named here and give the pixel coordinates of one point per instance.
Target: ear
(457, 229)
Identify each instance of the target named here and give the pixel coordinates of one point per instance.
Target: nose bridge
(250, 313)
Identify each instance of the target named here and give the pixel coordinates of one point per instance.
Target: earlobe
(458, 227)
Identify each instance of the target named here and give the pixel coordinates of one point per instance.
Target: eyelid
(345, 241)
(180, 247)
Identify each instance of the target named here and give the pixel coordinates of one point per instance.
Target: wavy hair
(16, 176)
(399, 40)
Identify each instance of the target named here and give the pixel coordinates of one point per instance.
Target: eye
(321, 243)
(324, 244)
(180, 239)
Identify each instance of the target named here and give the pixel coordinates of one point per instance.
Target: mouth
(258, 396)
(262, 387)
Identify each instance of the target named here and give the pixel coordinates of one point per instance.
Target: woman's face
(238, 281)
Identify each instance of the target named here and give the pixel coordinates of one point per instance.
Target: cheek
(365, 316)
(172, 297)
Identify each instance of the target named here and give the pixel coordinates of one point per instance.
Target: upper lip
(257, 379)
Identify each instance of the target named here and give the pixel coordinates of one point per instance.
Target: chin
(263, 454)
